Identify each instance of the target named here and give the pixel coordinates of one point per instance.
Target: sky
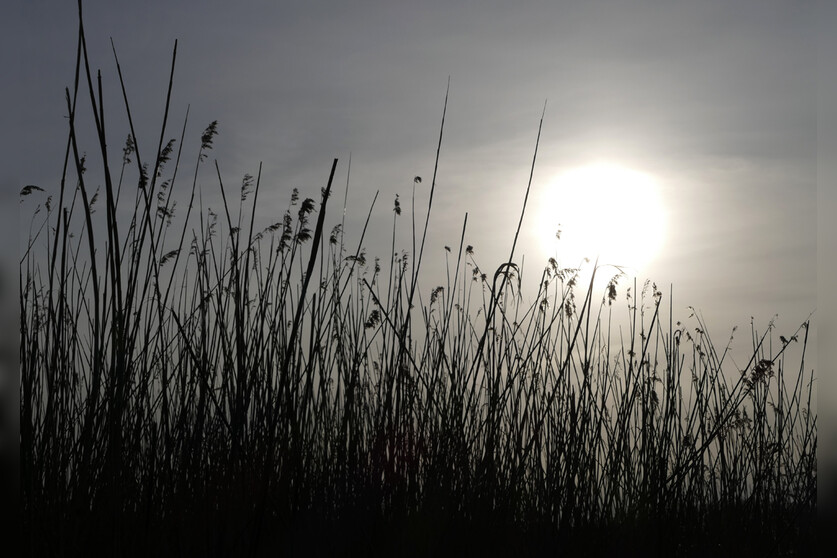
(713, 103)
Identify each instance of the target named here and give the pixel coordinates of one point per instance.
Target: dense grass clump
(195, 384)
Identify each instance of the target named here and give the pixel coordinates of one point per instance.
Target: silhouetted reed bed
(193, 383)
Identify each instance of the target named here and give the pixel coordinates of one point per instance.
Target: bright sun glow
(603, 211)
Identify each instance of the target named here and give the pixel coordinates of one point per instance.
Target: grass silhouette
(200, 386)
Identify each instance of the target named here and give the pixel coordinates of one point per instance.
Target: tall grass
(193, 383)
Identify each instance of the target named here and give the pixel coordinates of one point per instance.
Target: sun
(602, 211)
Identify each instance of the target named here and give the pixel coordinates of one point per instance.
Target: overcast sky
(716, 100)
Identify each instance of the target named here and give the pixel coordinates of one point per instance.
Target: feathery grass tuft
(200, 386)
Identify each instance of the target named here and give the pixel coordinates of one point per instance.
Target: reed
(193, 383)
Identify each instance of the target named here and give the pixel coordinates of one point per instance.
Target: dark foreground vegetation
(197, 385)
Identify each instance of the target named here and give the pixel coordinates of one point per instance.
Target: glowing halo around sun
(605, 211)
